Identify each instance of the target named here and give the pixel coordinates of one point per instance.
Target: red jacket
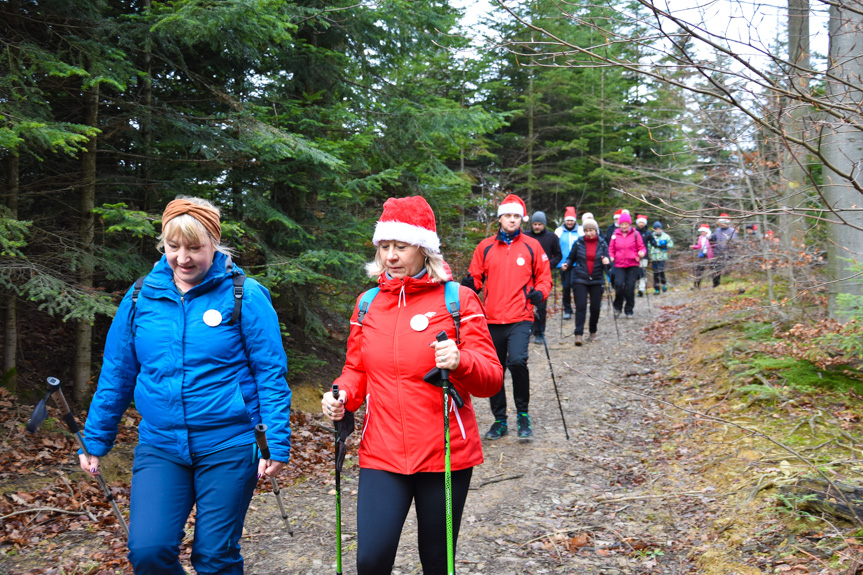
(507, 273)
(386, 361)
(624, 248)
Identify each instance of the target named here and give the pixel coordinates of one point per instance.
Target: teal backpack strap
(452, 306)
(365, 302)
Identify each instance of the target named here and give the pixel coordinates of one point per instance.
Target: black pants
(511, 343)
(566, 289)
(382, 505)
(582, 293)
(718, 264)
(658, 273)
(539, 312)
(624, 288)
(700, 266)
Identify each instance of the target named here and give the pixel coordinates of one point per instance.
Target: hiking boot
(537, 339)
(567, 315)
(616, 313)
(578, 340)
(664, 289)
(591, 338)
(656, 291)
(640, 293)
(498, 429)
(629, 316)
(524, 428)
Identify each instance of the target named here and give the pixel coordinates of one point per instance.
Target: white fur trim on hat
(407, 233)
(639, 220)
(704, 228)
(513, 208)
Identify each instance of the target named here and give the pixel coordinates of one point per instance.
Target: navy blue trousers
(164, 488)
(382, 505)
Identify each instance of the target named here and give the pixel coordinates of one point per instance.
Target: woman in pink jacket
(626, 249)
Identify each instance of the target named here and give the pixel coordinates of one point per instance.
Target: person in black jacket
(586, 261)
(550, 243)
(647, 236)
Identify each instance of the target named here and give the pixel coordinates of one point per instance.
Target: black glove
(467, 281)
(535, 296)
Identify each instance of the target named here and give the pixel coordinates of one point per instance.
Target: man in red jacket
(513, 272)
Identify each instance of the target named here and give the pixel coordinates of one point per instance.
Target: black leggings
(582, 291)
(624, 288)
(382, 506)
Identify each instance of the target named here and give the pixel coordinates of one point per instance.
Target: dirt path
(599, 503)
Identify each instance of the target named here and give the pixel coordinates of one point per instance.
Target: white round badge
(419, 322)
(520, 261)
(212, 317)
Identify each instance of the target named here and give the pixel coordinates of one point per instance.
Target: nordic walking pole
(554, 381)
(554, 299)
(39, 415)
(261, 440)
(450, 555)
(338, 427)
(610, 304)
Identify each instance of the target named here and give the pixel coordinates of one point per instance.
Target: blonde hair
(433, 265)
(191, 229)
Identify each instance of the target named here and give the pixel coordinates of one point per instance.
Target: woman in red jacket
(390, 348)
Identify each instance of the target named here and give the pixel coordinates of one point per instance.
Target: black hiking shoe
(525, 430)
(498, 429)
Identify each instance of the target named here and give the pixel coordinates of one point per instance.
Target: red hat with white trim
(409, 220)
(569, 214)
(724, 219)
(704, 228)
(641, 219)
(616, 214)
(512, 204)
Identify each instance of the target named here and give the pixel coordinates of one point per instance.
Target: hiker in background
(550, 244)
(625, 250)
(704, 254)
(568, 234)
(658, 250)
(201, 379)
(647, 238)
(586, 263)
(513, 272)
(724, 241)
(402, 452)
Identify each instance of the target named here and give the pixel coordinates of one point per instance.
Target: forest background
(299, 119)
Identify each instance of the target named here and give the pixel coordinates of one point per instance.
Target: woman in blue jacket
(201, 378)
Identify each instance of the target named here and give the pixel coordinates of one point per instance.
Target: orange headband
(208, 217)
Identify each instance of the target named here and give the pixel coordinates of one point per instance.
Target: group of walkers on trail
(197, 345)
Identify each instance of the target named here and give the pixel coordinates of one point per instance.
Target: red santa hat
(616, 215)
(703, 228)
(409, 220)
(724, 218)
(641, 219)
(512, 204)
(570, 214)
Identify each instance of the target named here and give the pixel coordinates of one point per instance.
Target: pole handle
(444, 373)
(261, 440)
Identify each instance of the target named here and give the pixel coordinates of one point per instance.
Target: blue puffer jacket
(197, 387)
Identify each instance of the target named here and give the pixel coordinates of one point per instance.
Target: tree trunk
(842, 145)
(10, 333)
(84, 331)
(794, 174)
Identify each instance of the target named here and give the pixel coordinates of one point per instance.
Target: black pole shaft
(69, 418)
(556, 392)
(338, 427)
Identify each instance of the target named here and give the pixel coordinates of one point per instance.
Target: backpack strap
(452, 306)
(238, 280)
(136, 291)
(365, 302)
